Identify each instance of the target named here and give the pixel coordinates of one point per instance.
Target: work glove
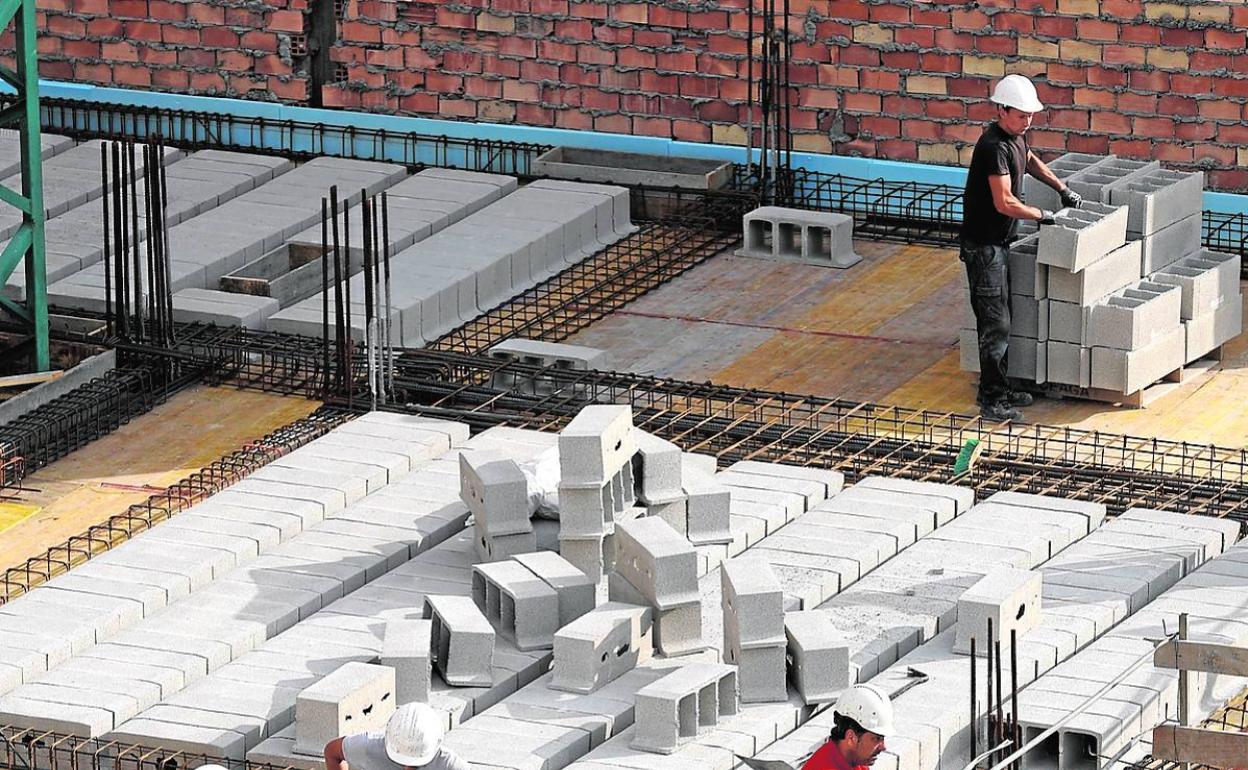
(1070, 198)
(1046, 218)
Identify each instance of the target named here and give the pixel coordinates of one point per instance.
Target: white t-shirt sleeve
(366, 751)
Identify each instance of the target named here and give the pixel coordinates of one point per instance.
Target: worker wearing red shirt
(863, 719)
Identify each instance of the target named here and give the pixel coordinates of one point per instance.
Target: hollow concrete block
(1009, 597)
(1159, 198)
(1128, 371)
(818, 656)
(600, 646)
(575, 590)
(657, 562)
(519, 604)
(595, 445)
(405, 648)
(1134, 317)
(657, 469)
(1170, 244)
(496, 491)
(462, 641)
(357, 697)
(1082, 236)
(672, 710)
(586, 554)
(587, 511)
(761, 672)
(753, 603)
(707, 506)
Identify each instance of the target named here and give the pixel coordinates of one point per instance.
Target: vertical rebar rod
(990, 732)
(325, 292)
(338, 311)
(749, 86)
(134, 242)
(377, 300)
(123, 238)
(385, 244)
(974, 698)
(366, 238)
(149, 200)
(349, 337)
(162, 230)
(1014, 687)
(108, 258)
(1000, 705)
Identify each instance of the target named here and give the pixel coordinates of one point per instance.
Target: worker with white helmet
(862, 720)
(991, 207)
(412, 738)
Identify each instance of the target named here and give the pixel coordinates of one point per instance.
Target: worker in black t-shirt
(991, 205)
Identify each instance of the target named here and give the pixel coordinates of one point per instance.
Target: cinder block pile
(530, 597)
(1093, 297)
(656, 567)
(595, 484)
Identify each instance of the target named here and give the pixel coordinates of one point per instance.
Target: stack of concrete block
(461, 640)
(576, 592)
(557, 355)
(600, 646)
(674, 709)
(595, 483)
(796, 235)
(656, 567)
(405, 648)
(486, 258)
(1212, 305)
(357, 698)
(1135, 337)
(818, 657)
(754, 636)
(496, 491)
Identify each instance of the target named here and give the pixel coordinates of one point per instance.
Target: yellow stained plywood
(142, 457)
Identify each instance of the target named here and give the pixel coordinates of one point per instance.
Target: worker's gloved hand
(1070, 198)
(1046, 218)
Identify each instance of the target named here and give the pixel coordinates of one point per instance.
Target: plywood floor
(141, 458)
(883, 331)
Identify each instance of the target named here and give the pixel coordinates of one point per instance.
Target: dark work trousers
(988, 276)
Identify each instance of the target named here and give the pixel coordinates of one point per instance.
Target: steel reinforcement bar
(207, 481)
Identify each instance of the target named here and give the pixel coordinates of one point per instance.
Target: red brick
(1140, 34)
(727, 44)
(218, 37)
(89, 7)
(639, 103)
(81, 49)
(1123, 54)
(1051, 140)
(166, 11)
(1223, 39)
(68, 26)
(661, 16)
(1236, 88)
(930, 17)
(46, 46)
(720, 112)
(1182, 106)
(1064, 73)
(631, 57)
(1097, 145)
(957, 42)
(535, 115)
(341, 97)
(898, 149)
(105, 27)
(128, 9)
(1195, 131)
(170, 78)
(1219, 154)
(1014, 22)
(510, 45)
(1095, 97)
(193, 57)
(974, 88)
(938, 62)
(233, 61)
(922, 129)
(557, 8)
(1106, 78)
(515, 91)
(849, 9)
(880, 80)
(676, 107)
(1141, 103)
(818, 98)
(649, 38)
(690, 131)
(902, 106)
(256, 40)
(286, 21)
(983, 112)
(880, 126)
(1207, 61)
(712, 65)
(708, 20)
(444, 83)
(698, 87)
(242, 17)
(1058, 26)
(203, 13)
(1110, 123)
(1072, 120)
(860, 56)
(1227, 179)
(420, 102)
(1095, 29)
(1179, 37)
(1218, 109)
(647, 126)
(923, 37)
(611, 35)
(678, 61)
(574, 119)
(132, 75)
(1123, 9)
(859, 101)
(945, 109)
(93, 73)
(889, 13)
(635, 13)
(587, 10)
(996, 44)
(900, 60)
(1154, 128)
(621, 80)
(1150, 80)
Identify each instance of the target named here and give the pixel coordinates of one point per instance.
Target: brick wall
(891, 78)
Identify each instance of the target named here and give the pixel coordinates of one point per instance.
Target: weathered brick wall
(889, 78)
(251, 49)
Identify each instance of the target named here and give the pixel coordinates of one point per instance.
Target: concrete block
(657, 469)
(586, 554)
(1028, 317)
(816, 238)
(660, 564)
(1170, 244)
(462, 641)
(761, 673)
(1134, 317)
(818, 657)
(1128, 371)
(1026, 358)
(1159, 199)
(1097, 182)
(949, 500)
(1206, 332)
(752, 602)
(405, 648)
(575, 590)
(1037, 193)
(496, 491)
(1010, 598)
(677, 628)
(1093, 513)
(1068, 322)
(1068, 364)
(833, 481)
(1117, 270)
(1082, 236)
(1027, 276)
(587, 511)
(358, 697)
(707, 506)
(1199, 287)
(1228, 267)
(671, 711)
(595, 445)
(519, 604)
(499, 547)
(600, 646)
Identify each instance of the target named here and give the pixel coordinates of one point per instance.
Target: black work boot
(1000, 411)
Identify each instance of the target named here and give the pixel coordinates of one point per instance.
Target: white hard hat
(1017, 91)
(413, 735)
(869, 706)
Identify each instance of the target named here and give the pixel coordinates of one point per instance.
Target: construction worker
(991, 207)
(863, 718)
(412, 738)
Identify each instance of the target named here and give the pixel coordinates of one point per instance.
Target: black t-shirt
(996, 153)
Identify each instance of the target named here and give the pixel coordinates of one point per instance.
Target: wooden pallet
(1198, 369)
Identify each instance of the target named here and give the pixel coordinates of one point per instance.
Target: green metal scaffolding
(27, 245)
